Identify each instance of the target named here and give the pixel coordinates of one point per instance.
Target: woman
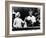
(18, 21)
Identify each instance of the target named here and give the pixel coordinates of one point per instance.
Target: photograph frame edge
(7, 24)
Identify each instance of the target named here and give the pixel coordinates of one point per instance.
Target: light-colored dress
(33, 19)
(30, 20)
(17, 22)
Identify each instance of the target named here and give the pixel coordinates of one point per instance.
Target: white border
(29, 31)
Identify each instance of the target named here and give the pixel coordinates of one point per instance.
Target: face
(30, 13)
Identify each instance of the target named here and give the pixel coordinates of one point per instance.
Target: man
(30, 19)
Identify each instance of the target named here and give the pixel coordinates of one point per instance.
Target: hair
(17, 14)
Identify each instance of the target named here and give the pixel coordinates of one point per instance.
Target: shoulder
(15, 19)
(19, 19)
(33, 16)
(28, 17)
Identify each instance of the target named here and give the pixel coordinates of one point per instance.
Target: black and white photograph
(25, 18)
